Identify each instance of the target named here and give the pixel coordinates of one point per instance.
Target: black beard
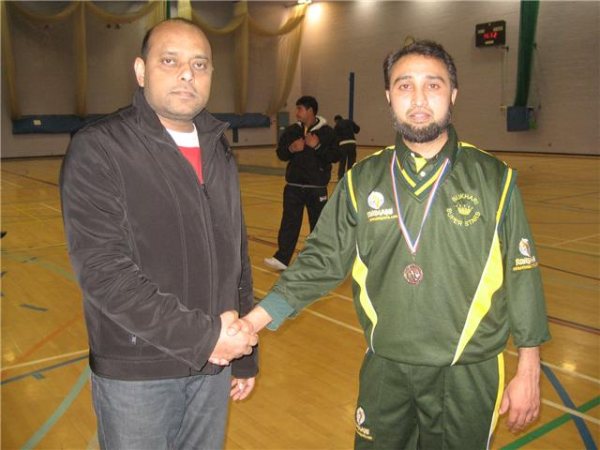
(421, 134)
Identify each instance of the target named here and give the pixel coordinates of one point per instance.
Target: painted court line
(571, 411)
(36, 373)
(577, 240)
(580, 424)
(44, 360)
(51, 207)
(562, 369)
(59, 412)
(509, 352)
(549, 403)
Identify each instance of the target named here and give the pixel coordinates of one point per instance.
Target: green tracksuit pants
(407, 407)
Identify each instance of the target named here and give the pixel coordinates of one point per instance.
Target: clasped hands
(237, 338)
(311, 140)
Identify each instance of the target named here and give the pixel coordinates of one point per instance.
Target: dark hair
(337, 117)
(308, 102)
(423, 48)
(146, 41)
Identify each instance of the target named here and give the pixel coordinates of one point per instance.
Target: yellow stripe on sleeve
(351, 190)
(509, 176)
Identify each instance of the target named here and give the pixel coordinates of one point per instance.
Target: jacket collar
(149, 122)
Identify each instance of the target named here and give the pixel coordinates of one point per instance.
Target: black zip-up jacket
(312, 166)
(345, 130)
(158, 255)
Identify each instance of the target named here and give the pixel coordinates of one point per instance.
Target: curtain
(529, 14)
(289, 37)
(76, 11)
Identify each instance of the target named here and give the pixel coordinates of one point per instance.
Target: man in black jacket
(153, 219)
(310, 147)
(345, 130)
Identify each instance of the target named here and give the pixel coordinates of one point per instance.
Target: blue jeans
(181, 413)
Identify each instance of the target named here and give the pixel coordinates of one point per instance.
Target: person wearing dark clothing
(163, 266)
(309, 146)
(345, 131)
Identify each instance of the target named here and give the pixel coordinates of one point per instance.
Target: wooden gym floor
(306, 391)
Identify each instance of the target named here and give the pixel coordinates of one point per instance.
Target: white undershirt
(185, 139)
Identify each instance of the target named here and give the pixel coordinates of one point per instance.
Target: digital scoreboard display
(490, 34)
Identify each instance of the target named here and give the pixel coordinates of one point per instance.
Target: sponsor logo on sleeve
(528, 261)
(376, 202)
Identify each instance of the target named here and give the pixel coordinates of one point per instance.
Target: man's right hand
(296, 146)
(255, 321)
(231, 346)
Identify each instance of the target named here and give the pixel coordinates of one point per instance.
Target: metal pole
(351, 96)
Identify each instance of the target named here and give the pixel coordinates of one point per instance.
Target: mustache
(419, 109)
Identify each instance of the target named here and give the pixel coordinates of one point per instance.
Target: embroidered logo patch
(360, 418)
(376, 200)
(528, 261)
(525, 248)
(464, 211)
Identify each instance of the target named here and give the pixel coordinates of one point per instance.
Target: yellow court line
(51, 207)
(568, 250)
(561, 369)
(44, 360)
(570, 411)
(578, 239)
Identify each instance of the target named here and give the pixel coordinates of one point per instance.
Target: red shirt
(194, 156)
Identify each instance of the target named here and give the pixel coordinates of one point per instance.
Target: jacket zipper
(208, 221)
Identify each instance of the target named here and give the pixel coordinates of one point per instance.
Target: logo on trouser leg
(360, 417)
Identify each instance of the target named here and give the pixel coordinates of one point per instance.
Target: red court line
(39, 344)
(575, 325)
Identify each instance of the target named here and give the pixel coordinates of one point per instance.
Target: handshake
(237, 338)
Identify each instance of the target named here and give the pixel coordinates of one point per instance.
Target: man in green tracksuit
(444, 270)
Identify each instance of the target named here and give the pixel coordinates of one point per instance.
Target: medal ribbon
(413, 246)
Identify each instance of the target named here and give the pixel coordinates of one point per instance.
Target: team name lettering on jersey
(464, 211)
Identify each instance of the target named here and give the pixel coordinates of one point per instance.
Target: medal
(413, 273)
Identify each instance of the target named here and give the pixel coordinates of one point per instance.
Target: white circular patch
(360, 416)
(525, 248)
(375, 200)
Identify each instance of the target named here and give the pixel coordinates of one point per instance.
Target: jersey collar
(420, 182)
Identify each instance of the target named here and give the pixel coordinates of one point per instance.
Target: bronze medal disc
(413, 274)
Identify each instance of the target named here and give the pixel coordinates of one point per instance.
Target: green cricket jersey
(475, 257)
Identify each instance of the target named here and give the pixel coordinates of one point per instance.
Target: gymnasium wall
(356, 36)
(340, 37)
(45, 69)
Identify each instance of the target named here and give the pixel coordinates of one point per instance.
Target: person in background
(156, 236)
(444, 269)
(345, 131)
(309, 147)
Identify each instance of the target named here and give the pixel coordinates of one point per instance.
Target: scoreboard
(490, 34)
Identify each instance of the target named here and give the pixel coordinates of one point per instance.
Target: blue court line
(550, 426)
(56, 415)
(584, 431)
(34, 372)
